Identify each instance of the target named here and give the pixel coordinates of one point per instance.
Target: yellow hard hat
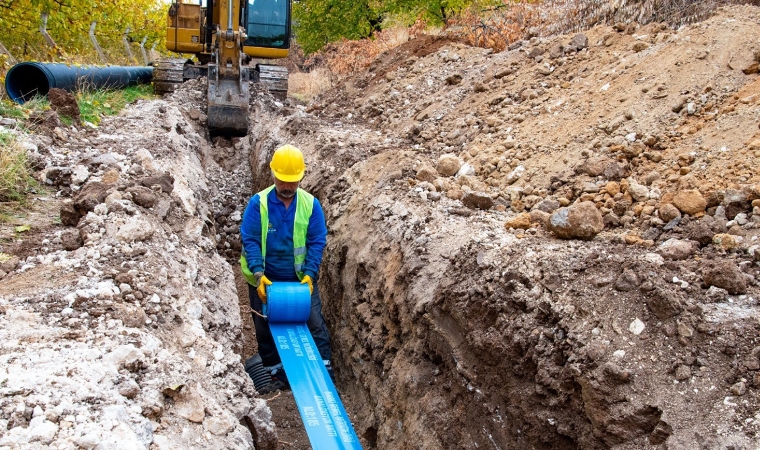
(287, 164)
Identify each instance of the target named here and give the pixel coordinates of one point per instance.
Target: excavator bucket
(227, 103)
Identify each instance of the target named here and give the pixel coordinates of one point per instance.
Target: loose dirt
(555, 246)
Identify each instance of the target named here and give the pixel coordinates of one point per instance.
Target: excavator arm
(223, 36)
(228, 90)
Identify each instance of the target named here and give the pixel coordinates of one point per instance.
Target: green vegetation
(8, 108)
(319, 22)
(68, 24)
(94, 105)
(15, 176)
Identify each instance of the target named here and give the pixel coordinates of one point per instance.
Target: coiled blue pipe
(324, 417)
(289, 303)
(27, 79)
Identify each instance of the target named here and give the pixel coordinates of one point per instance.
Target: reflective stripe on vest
(304, 207)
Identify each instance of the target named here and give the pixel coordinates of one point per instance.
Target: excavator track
(168, 75)
(274, 79)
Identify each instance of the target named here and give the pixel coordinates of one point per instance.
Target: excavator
(224, 36)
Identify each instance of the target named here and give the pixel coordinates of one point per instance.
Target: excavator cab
(267, 27)
(224, 35)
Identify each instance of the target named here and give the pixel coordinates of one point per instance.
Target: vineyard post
(43, 30)
(11, 59)
(95, 43)
(153, 49)
(142, 49)
(125, 38)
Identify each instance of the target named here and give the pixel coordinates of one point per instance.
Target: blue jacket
(280, 263)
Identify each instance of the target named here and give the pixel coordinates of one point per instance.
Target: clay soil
(461, 315)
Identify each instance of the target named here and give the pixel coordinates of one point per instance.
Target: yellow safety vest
(304, 207)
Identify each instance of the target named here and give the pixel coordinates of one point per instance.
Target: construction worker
(290, 250)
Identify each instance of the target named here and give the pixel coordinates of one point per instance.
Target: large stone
(129, 388)
(521, 221)
(427, 173)
(638, 191)
(479, 200)
(725, 241)
(448, 165)
(726, 275)
(79, 174)
(71, 239)
(669, 212)
(515, 174)
(124, 355)
(700, 231)
(677, 249)
(134, 229)
(594, 166)
(627, 281)
(189, 405)
(260, 417)
(165, 181)
(111, 176)
(690, 201)
(106, 159)
(10, 264)
(69, 214)
(90, 196)
(218, 425)
(58, 176)
(143, 196)
(580, 221)
(132, 316)
(540, 217)
(579, 42)
(735, 202)
(665, 303)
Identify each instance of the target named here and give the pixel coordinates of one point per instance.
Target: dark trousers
(316, 324)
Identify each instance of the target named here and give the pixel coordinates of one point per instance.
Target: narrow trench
(247, 152)
(427, 373)
(456, 346)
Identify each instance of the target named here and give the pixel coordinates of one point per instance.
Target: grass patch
(15, 175)
(9, 108)
(94, 105)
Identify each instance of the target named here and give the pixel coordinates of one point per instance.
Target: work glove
(262, 283)
(307, 280)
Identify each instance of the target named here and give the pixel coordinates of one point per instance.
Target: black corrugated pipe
(27, 79)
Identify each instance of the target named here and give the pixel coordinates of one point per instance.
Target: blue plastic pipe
(324, 417)
(27, 79)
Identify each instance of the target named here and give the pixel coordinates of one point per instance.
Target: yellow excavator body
(183, 29)
(223, 36)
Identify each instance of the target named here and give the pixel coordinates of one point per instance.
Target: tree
(318, 22)
(69, 22)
